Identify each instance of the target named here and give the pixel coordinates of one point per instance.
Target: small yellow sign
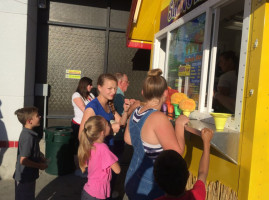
(73, 76)
(184, 70)
(69, 71)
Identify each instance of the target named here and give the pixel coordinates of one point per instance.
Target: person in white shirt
(79, 100)
(227, 85)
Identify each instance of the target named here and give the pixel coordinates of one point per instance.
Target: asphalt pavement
(48, 187)
(66, 187)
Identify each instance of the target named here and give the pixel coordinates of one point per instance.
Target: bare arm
(43, 158)
(127, 137)
(165, 132)
(180, 123)
(78, 101)
(121, 119)
(124, 117)
(116, 167)
(206, 135)
(134, 105)
(28, 163)
(89, 112)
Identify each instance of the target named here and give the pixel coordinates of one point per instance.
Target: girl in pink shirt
(95, 154)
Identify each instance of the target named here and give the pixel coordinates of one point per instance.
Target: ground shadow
(60, 155)
(124, 160)
(66, 187)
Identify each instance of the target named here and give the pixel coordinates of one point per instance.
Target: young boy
(171, 173)
(29, 158)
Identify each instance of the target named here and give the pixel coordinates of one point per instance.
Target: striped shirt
(151, 150)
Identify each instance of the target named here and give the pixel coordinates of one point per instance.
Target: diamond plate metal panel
(119, 13)
(119, 19)
(76, 49)
(120, 60)
(79, 12)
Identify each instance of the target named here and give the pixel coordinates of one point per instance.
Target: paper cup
(112, 122)
(186, 113)
(220, 119)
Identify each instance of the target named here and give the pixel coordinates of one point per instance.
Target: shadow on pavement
(69, 187)
(66, 187)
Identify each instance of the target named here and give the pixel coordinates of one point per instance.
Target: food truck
(188, 39)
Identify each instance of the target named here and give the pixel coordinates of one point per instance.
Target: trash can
(59, 150)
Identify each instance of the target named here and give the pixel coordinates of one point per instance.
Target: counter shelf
(225, 142)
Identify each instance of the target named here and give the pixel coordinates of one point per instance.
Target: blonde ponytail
(91, 132)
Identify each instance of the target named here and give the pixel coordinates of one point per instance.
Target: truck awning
(144, 21)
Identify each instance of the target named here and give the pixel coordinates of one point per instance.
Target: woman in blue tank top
(103, 106)
(149, 131)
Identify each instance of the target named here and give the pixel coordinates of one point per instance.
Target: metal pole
(107, 37)
(45, 113)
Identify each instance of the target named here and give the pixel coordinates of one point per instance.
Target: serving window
(185, 57)
(204, 57)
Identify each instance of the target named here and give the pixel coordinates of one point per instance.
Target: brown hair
(103, 77)
(25, 114)
(91, 132)
(230, 55)
(82, 87)
(101, 80)
(154, 85)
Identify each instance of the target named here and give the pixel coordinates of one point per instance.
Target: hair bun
(155, 72)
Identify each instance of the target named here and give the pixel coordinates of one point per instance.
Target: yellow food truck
(192, 41)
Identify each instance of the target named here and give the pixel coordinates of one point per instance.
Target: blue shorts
(86, 196)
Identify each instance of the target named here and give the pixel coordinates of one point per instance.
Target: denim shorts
(86, 196)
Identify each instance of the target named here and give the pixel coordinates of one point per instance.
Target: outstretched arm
(124, 117)
(134, 105)
(206, 135)
(180, 123)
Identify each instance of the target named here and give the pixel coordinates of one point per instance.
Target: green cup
(177, 110)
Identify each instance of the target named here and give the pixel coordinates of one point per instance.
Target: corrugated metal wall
(76, 49)
(120, 60)
(76, 35)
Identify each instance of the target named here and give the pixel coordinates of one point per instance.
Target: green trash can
(59, 150)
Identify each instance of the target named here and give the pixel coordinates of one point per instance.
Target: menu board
(185, 57)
